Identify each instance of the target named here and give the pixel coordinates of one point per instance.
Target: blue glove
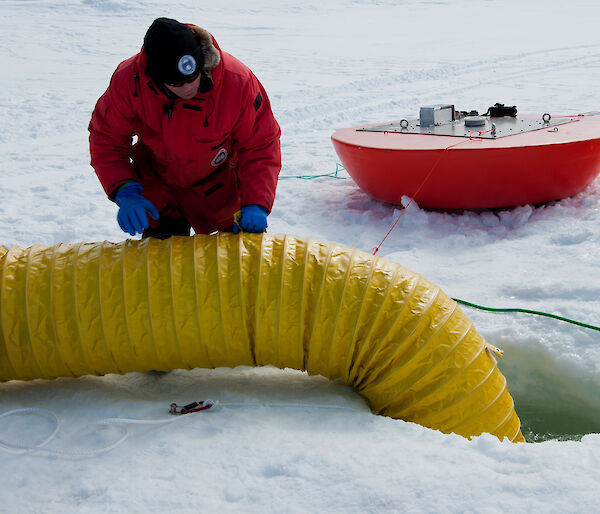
(132, 216)
(253, 218)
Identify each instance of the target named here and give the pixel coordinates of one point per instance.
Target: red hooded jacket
(225, 137)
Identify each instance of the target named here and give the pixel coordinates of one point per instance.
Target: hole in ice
(555, 398)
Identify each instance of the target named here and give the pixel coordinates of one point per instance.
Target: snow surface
(326, 65)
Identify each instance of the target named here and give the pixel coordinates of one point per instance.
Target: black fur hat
(174, 53)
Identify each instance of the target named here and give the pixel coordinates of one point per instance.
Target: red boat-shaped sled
(449, 160)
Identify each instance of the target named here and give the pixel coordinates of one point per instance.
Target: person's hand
(253, 218)
(134, 209)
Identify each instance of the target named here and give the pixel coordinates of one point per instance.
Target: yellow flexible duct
(229, 300)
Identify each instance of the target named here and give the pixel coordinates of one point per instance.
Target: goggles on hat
(191, 78)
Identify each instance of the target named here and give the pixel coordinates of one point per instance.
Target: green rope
(527, 311)
(333, 174)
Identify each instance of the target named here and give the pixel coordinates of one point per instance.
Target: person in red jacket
(206, 143)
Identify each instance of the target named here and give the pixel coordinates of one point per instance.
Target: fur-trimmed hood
(211, 55)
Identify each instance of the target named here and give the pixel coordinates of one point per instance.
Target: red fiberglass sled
(451, 160)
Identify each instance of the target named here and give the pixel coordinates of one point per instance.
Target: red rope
(478, 133)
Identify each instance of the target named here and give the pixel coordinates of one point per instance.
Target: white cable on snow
(217, 403)
(31, 410)
(40, 447)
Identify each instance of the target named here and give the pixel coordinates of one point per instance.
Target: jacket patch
(257, 102)
(219, 158)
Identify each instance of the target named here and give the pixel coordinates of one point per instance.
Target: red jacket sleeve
(111, 131)
(256, 137)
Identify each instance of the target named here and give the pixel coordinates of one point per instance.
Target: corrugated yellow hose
(252, 299)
